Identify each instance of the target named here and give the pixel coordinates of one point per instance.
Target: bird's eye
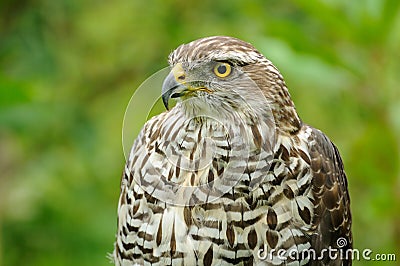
(222, 70)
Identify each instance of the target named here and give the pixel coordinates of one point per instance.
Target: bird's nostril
(181, 77)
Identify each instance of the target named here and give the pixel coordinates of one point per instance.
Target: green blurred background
(69, 68)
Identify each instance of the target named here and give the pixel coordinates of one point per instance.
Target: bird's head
(224, 75)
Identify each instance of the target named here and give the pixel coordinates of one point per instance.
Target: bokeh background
(69, 68)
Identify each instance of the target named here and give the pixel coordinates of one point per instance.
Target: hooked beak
(170, 88)
(175, 85)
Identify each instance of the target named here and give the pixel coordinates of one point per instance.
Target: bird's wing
(332, 217)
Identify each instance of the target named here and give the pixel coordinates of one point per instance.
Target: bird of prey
(231, 175)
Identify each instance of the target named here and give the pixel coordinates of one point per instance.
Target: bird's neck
(286, 119)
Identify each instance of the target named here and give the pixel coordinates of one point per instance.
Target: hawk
(231, 175)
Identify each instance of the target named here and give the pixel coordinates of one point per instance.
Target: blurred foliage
(69, 68)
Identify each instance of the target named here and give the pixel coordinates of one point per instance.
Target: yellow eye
(222, 70)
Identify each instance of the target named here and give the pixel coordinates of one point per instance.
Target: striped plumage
(230, 171)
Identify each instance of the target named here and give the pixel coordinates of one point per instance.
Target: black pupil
(221, 69)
